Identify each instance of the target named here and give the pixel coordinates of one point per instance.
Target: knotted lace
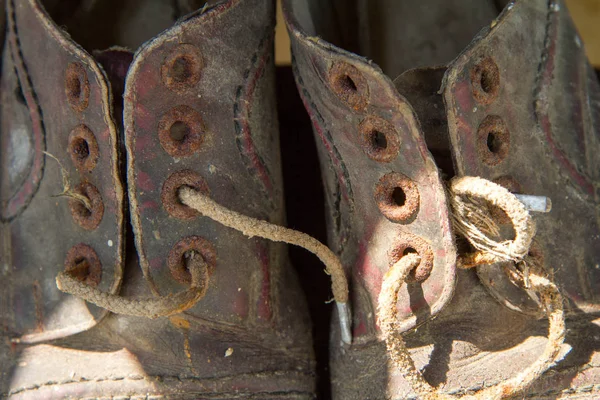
(161, 306)
(172, 304)
(150, 308)
(473, 221)
(469, 197)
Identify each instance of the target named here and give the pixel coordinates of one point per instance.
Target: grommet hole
(180, 254)
(485, 81)
(488, 82)
(494, 143)
(82, 211)
(87, 218)
(184, 270)
(346, 83)
(349, 85)
(409, 250)
(77, 87)
(81, 269)
(83, 148)
(83, 264)
(179, 131)
(398, 197)
(80, 149)
(74, 88)
(182, 68)
(180, 188)
(411, 244)
(378, 140)
(493, 140)
(419, 273)
(184, 274)
(170, 193)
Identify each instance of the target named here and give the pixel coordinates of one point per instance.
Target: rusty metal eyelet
(408, 243)
(493, 140)
(77, 87)
(176, 259)
(485, 81)
(83, 264)
(83, 148)
(397, 197)
(170, 193)
(379, 139)
(181, 131)
(349, 84)
(88, 219)
(182, 68)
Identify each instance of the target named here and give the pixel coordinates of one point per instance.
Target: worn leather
(249, 337)
(550, 109)
(547, 96)
(38, 229)
(365, 240)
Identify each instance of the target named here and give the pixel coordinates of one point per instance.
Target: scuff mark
(184, 326)
(39, 305)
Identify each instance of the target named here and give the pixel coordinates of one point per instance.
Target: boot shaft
(198, 110)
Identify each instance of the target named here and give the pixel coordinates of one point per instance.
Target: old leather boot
(517, 108)
(90, 163)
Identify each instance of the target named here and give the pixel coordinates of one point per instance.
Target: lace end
(541, 204)
(345, 317)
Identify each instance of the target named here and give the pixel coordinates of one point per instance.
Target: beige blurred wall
(586, 14)
(282, 40)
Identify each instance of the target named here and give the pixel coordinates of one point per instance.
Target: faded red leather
(213, 74)
(546, 97)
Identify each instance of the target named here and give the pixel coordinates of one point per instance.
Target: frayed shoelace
(470, 219)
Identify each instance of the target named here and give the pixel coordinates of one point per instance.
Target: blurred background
(586, 14)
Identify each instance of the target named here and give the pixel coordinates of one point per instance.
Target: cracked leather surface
(211, 75)
(547, 96)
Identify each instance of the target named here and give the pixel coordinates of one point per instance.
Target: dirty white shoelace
(468, 197)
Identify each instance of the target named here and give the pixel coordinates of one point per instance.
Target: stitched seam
(573, 390)
(161, 378)
(321, 121)
(21, 59)
(543, 58)
(292, 394)
(228, 395)
(538, 104)
(343, 231)
(22, 180)
(241, 114)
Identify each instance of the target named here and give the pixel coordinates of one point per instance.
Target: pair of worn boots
(142, 212)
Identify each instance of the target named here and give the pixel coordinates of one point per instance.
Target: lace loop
(149, 308)
(468, 198)
(254, 227)
(470, 220)
(478, 228)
